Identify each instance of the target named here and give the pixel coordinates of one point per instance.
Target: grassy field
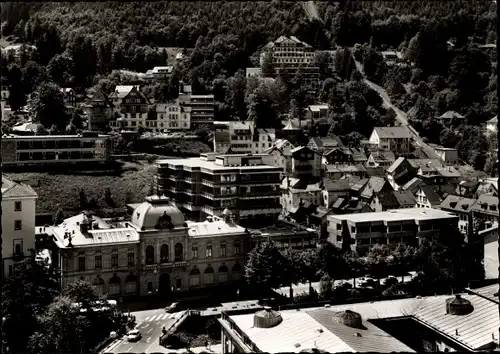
(62, 190)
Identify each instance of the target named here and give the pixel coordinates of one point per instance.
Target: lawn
(61, 190)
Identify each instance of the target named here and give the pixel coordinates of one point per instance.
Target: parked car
(134, 335)
(173, 307)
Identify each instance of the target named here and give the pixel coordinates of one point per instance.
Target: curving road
(400, 115)
(311, 10)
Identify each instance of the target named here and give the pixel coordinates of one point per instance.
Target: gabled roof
(374, 185)
(404, 197)
(392, 132)
(458, 204)
(375, 171)
(327, 142)
(158, 69)
(488, 201)
(121, 91)
(395, 165)
(300, 148)
(387, 199)
(335, 185)
(11, 189)
(318, 107)
(451, 115)
(493, 120)
(358, 155)
(426, 164)
(99, 98)
(383, 156)
(430, 194)
(359, 185)
(290, 126)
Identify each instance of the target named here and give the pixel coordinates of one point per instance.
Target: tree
(47, 104)
(81, 292)
(263, 268)
(326, 287)
(355, 266)
(33, 74)
(308, 266)
(17, 97)
(323, 60)
(60, 69)
(235, 96)
(403, 259)
(290, 268)
(59, 218)
(377, 261)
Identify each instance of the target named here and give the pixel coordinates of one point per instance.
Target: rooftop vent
(453, 204)
(349, 319)
(458, 306)
(267, 318)
(465, 206)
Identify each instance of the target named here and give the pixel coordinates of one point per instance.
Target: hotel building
(211, 183)
(55, 149)
(391, 227)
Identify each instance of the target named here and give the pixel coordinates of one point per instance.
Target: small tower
(227, 215)
(85, 223)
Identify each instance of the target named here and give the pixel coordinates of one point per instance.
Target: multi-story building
(489, 237)
(391, 227)
(242, 138)
(133, 109)
(118, 95)
(317, 111)
(18, 50)
(4, 99)
(462, 207)
(485, 210)
(324, 144)
(394, 139)
(295, 191)
(281, 154)
(99, 111)
(55, 149)
(172, 116)
(202, 106)
(427, 197)
(306, 163)
(156, 252)
(69, 96)
(290, 53)
(18, 223)
(448, 156)
(212, 182)
(161, 72)
(285, 234)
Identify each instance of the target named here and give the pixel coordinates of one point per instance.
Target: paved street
(150, 324)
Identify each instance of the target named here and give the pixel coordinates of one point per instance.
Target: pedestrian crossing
(163, 317)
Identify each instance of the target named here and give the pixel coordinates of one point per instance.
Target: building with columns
(157, 251)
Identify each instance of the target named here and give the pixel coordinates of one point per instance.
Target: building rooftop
(486, 203)
(318, 107)
(280, 227)
(392, 132)
(157, 213)
(395, 165)
(430, 194)
(457, 203)
(161, 69)
(11, 189)
(213, 228)
(451, 115)
(396, 215)
(197, 162)
(404, 197)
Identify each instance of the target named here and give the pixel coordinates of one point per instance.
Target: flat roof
(396, 215)
(211, 165)
(213, 228)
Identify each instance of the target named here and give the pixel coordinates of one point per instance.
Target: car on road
(134, 335)
(173, 307)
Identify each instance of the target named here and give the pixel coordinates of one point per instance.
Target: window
(18, 247)
(195, 252)
(114, 259)
(208, 252)
(81, 262)
(223, 250)
(237, 248)
(98, 261)
(18, 225)
(17, 206)
(131, 258)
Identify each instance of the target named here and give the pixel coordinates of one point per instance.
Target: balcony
(151, 267)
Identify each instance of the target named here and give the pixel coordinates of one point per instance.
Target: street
(150, 324)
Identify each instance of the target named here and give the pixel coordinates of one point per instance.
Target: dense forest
(85, 44)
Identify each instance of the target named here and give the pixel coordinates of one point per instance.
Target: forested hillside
(83, 44)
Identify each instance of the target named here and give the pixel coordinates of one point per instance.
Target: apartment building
(485, 209)
(361, 230)
(209, 184)
(88, 147)
(281, 154)
(157, 252)
(172, 116)
(295, 192)
(131, 107)
(290, 53)
(202, 106)
(306, 163)
(394, 139)
(242, 138)
(99, 111)
(18, 223)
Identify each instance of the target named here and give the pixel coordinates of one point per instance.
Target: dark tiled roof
(393, 132)
(369, 339)
(383, 156)
(395, 164)
(374, 185)
(336, 185)
(488, 201)
(457, 203)
(431, 195)
(388, 200)
(375, 172)
(404, 197)
(413, 184)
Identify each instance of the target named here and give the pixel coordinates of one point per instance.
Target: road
(311, 10)
(150, 323)
(400, 115)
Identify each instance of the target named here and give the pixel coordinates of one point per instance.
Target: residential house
(387, 200)
(251, 72)
(485, 210)
(117, 96)
(324, 144)
(99, 111)
(393, 58)
(490, 241)
(380, 159)
(306, 163)
(350, 205)
(338, 156)
(426, 167)
(317, 111)
(358, 186)
(427, 197)
(19, 51)
(412, 185)
(451, 118)
(462, 207)
(295, 191)
(400, 173)
(4, 98)
(487, 186)
(341, 171)
(394, 139)
(468, 189)
(333, 190)
(374, 186)
(448, 156)
(172, 116)
(358, 156)
(162, 72)
(18, 223)
(69, 96)
(133, 110)
(242, 138)
(281, 154)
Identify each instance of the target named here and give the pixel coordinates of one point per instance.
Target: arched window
(179, 257)
(209, 275)
(131, 284)
(236, 271)
(115, 285)
(194, 277)
(150, 254)
(223, 274)
(164, 254)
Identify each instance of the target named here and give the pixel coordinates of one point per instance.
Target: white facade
(18, 223)
(171, 116)
(395, 139)
(286, 51)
